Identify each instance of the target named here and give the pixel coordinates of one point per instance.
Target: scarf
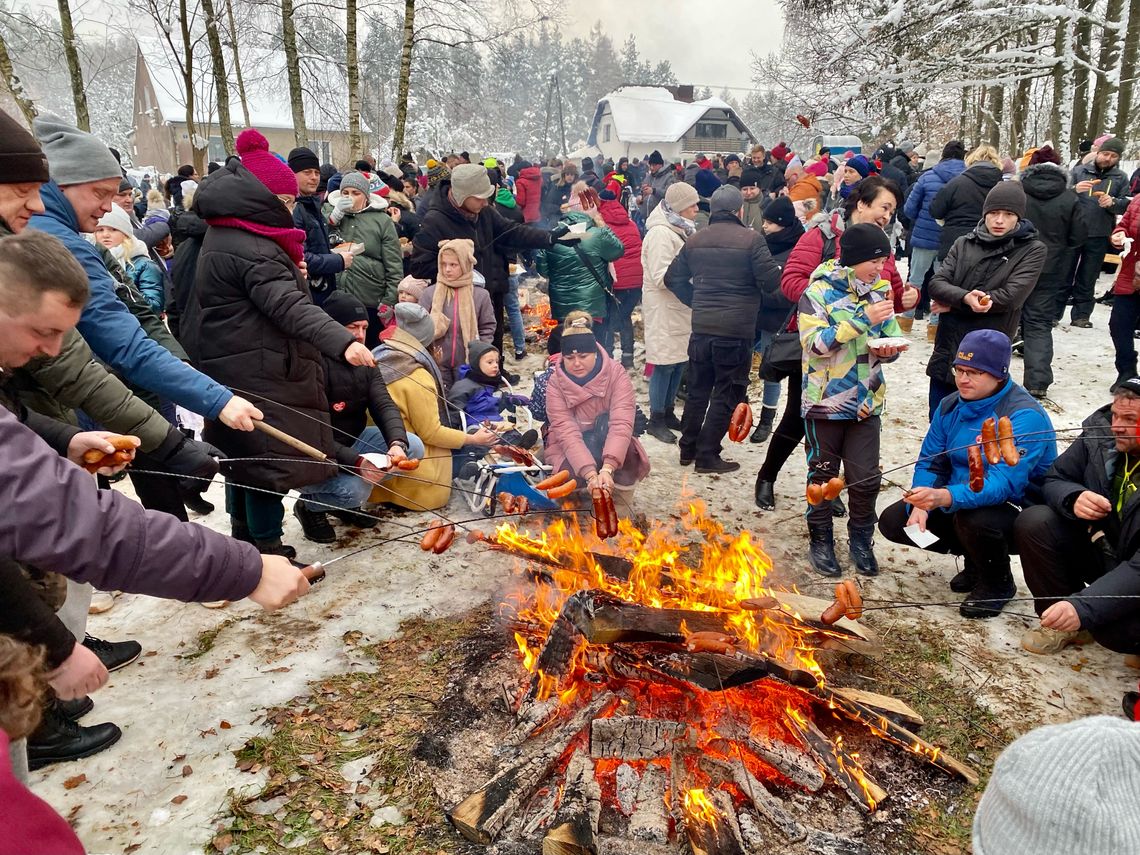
(290, 240)
(400, 356)
(457, 294)
(676, 220)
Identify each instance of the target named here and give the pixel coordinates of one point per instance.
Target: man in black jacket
(323, 263)
(722, 273)
(1081, 550)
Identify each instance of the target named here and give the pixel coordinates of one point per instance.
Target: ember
(539, 320)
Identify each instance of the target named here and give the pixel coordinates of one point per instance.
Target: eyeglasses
(968, 373)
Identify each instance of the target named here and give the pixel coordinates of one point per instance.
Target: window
(216, 151)
(606, 133)
(709, 131)
(322, 149)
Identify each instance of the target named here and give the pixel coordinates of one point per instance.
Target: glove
(518, 400)
(558, 231)
(184, 456)
(341, 207)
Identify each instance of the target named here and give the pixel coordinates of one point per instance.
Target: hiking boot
(658, 430)
(520, 355)
(765, 495)
(965, 580)
(58, 739)
(314, 524)
(194, 499)
(861, 546)
(355, 517)
(671, 420)
(821, 551)
(1081, 324)
(1045, 642)
(838, 509)
(113, 654)
(627, 361)
(717, 466)
(1039, 393)
(240, 531)
(764, 428)
(274, 546)
(988, 598)
(686, 459)
(76, 709)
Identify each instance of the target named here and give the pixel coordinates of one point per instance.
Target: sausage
(977, 468)
(507, 501)
(522, 505)
(124, 445)
(447, 535)
(831, 614)
(431, 536)
(833, 488)
(408, 464)
(741, 423)
(555, 480)
(476, 536)
(990, 443)
(985, 300)
(1009, 452)
(854, 599)
(814, 494)
(562, 490)
(710, 642)
(756, 604)
(605, 514)
(613, 515)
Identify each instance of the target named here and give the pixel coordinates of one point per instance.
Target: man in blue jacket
(85, 179)
(323, 263)
(978, 525)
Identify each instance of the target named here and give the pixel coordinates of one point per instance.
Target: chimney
(683, 93)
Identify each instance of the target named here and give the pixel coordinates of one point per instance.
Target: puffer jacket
(629, 273)
(528, 193)
(356, 392)
(323, 264)
(926, 233)
(1058, 216)
(842, 379)
(959, 204)
(722, 273)
(1101, 221)
(1129, 227)
(449, 350)
(956, 425)
(658, 182)
(572, 284)
(375, 275)
(147, 277)
(1006, 268)
(668, 321)
(479, 402)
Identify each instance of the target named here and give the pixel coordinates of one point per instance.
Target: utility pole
(546, 124)
(561, 120)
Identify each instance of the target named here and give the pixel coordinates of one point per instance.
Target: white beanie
(118, 219)
(1067, 789)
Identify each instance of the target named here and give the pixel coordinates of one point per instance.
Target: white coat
(668, 321)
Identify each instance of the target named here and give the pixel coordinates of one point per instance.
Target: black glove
(184, 456)
(558, 231)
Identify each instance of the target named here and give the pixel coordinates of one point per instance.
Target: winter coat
(147, 277)
(658, 182)
(821, 239)
(959, 204)
(537, 405)
(1101, 221)
(572, 284)
(572, 409)
(375, 274)
(722, 272)
(774, 306)
(113, 332)
(323, 264)
(1090, 463)
(354, 393)
(555, 194)
(627, 268)
(257, 329)
(1058, 217)
(1130, 227)
(754, 212)
(450, 350)
(668, 322)
(495, 239)
(479, 402)
(925, 232)
(901, 164)
(30, 824)
(842, 379)
(1007, 269)
(528, 193)
(956, 425)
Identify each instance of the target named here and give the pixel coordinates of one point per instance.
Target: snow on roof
(266, 85)
(649, 114)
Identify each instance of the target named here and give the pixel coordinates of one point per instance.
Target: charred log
(575, 826)
(840, 766)
(650, 821)
(633, 738)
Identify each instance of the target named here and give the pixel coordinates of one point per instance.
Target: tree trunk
(221, 79)
(1019, 115)
(1060, 125)
(296, 95)
(355, 144)
(13, 85)
(1082, 48)
(1106, 80)
(994, 108)
(74, 69)
(237, 63)
(1124, 105)
(405, 77)
(964, 110)
(198, 153)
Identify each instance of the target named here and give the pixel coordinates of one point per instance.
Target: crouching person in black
(1081, 550)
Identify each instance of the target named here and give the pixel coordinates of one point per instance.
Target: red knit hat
(270, 170)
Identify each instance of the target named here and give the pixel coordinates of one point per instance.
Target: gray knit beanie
(1062, 790)
(355, 181)
(470, 179)
(74, 156)
(414, 319)
(727, 199)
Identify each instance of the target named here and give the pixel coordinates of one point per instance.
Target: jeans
(923, 263)
(855, 444)
(347, 489)
(718, 381)
(663, 385)
(621, 320)
(514, 314)
(771, 387)
(260, 512)
(1084, 280)
(1121, 324)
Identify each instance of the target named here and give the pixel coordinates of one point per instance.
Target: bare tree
(1106, 85)
(1125, 109)
(293, 72)
(237, 62)
(74, 69)
(13, 85)
(355, 143)
(221, 79)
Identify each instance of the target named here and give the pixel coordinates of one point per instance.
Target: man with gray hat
(722, 272)
(1102, 188)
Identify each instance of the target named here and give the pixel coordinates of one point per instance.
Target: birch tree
(233, 38)
(1125, 108)
(355, 143)
(221, 79)
(293, 72)
(13, 85)
(74, 68)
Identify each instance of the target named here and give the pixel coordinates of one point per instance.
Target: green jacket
(374, 276)
(572, 284)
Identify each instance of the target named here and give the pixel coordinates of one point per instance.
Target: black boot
(993, 591)
(861, 544)
(113, 654)
(59, 739)
(764, 429)
(671, 420)
(276, 547)
(658, 429)
(355, 517)
(765, 495)
(838, 509)
(77, 708)
(314, 524)
(239, 530)
(821, 552)
(966, 578)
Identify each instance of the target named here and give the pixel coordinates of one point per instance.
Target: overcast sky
(706, 44)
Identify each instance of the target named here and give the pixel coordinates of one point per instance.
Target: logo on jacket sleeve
(339, 406)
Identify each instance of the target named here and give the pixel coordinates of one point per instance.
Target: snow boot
(966, 578)
(659, 430)
(989, 596)
(861, 545)
(764, 428)
(821, 551)
(671, 420)
(765, 495)
(314, 524)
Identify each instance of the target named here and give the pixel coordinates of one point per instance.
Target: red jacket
(29, 823)
(528, 193)
(628, 267)
(1129, 226)
(807, 255)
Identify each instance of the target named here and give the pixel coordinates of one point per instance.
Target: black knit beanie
(780, 211)
(302, 158)
(344, 308)
(1006, 196)
(863, 242)
(22, 160)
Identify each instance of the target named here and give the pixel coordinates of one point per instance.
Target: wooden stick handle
(290, 441)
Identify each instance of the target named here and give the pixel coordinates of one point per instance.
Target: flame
(698, 808)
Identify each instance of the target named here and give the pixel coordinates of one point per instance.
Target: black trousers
(154, 492)
(1059, 560)
(499, 304)
(983, 535)
(1037, 332)
(372, 336)
(788, 433)
(855, 445)
(1084, 279)
(717, 380)
(1121, 324)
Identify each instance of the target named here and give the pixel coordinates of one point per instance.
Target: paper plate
(875, 344)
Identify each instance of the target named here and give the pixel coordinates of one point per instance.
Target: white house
(632, 121)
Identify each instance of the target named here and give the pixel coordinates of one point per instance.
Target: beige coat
(668, 321)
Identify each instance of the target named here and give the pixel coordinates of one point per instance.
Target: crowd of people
(365, 311)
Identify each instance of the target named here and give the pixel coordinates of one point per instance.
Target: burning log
(718, 671)
(770, 807)
(892, 708)
(546, 803)
(604, 619)
(650, 821)
(481, 816)
(575, 826)
(633, 738)
(840, 765)
(530, 718)
(710, 824)
(793, 764)
(626, 784)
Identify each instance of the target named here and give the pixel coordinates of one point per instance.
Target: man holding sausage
(977, 525)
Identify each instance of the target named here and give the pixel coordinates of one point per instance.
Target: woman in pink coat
(590, 414)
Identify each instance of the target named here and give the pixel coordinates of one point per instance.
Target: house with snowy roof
(632, 121)
(160, 137)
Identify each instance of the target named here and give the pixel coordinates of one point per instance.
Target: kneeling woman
(590, 410)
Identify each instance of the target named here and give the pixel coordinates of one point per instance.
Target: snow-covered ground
(172, 709)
